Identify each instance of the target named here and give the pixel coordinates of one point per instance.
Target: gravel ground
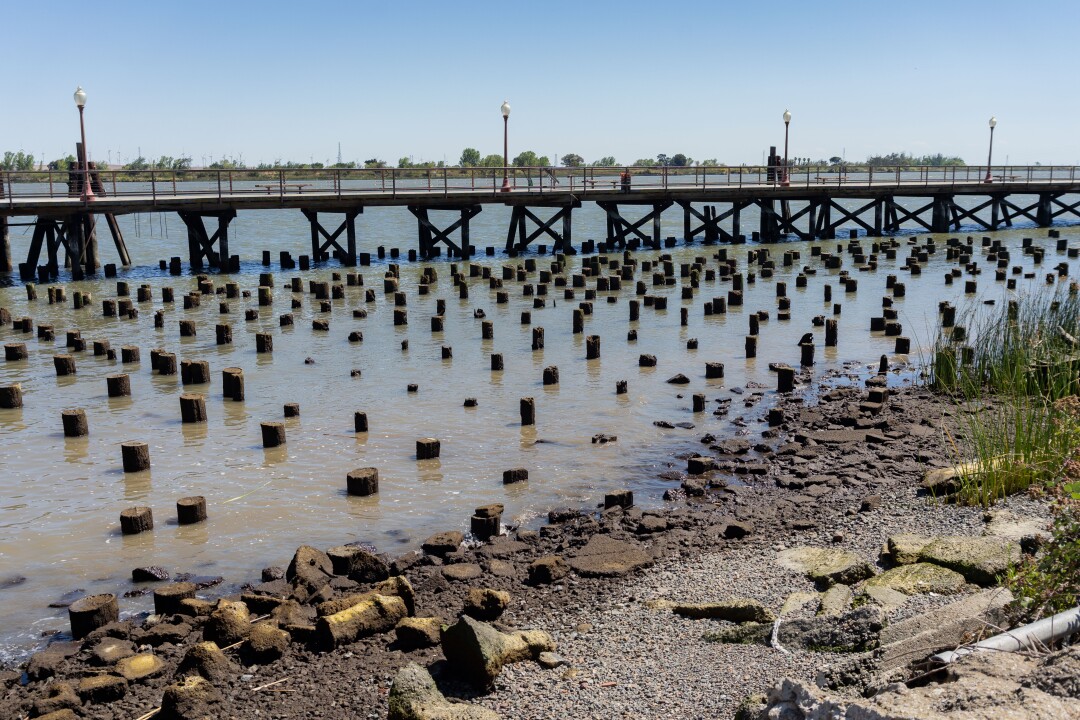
(637, 662)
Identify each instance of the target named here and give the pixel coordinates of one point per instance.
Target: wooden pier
(814, 205)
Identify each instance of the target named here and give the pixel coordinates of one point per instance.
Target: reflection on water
(62, 496)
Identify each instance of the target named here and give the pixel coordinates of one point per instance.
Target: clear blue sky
(274, 80)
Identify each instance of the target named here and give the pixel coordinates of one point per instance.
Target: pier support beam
(348, 226)
(5, 238)
(518, 236)
(430, 235)
(619, 228)
(201, 244)
(5, 245)
(1045, 213)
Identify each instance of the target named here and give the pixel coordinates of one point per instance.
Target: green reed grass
(1020, 360)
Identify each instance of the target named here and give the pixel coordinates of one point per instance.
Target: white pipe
(1041, 632)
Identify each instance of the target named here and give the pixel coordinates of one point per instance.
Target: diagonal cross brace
(622, 227)
(348, 226)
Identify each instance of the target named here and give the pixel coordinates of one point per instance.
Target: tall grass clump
(1012, 380)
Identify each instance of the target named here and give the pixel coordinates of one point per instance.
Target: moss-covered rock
(826, 565)
(920, 578)
(981, 560)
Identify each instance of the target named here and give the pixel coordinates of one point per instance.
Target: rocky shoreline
(612, 612)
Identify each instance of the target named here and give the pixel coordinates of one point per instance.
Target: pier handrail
(228, 184)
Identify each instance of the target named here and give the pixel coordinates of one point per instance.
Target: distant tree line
(20, 161)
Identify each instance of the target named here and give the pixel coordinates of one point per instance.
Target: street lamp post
(785, 181)
(990, 153)
(80, 102)
(506, 147)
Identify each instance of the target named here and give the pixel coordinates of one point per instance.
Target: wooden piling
(118, 385)
(428, 448)
(135, 455)
(191, 510)
(528, 411)
(192, 408)
(136, 520)
(232, 384)
(363, 482)
(89, 613)
(592, 347)
(11, 396)
(15, 351)
(273, 434)
(785, 379)
(360, 421)
(74, 421)
(64, 364)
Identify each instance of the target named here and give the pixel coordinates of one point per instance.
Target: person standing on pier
(625, 178)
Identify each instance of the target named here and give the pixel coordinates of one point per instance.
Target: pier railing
(225, 184)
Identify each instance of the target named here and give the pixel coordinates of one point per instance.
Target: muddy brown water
(60, 498)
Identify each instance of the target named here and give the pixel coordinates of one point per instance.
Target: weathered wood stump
(187, 328)
(190, 510)
(15, 351)
(496, 361)
(135, 520)
(363, 481)
(647, 361)
(620, 387)
(515, 475)
(528, 411)
(292, 410)
(167, 598)
(101, 347)
(11, 396)
(64, 364)
(166, 363)
(428, 448)
(192, 408)
(224, 333)
(195, 372)
(785, 379)
(551, 375)
(89, 613)
(135, 455)
(273, 434)
(699, 402)
(266, 296)
(118, 385)
(129, 354)
(74, 421)
(592, 347)
(264, 343)
(751, 346)
(807, 354)
(232, 383)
